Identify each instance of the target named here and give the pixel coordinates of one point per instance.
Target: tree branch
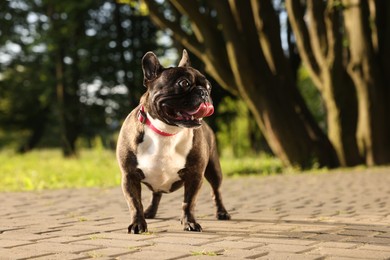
(201, 24)
(237, 54)
(267, 24)
(242, 12)
(214, 55)
(317, 29)
(295, 15)
(187, 40)
(334, 56)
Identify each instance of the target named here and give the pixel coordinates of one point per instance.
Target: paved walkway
(319, 216)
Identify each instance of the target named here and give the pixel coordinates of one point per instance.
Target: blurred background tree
(305, 80)
(70, 69)
(70, 72)
(342, 44)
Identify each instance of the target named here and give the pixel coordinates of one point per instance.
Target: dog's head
(178, 96)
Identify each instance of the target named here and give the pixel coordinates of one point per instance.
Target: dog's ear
(185, 60)
(150, 66)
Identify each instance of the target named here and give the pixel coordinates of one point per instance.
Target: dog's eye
(184, 83)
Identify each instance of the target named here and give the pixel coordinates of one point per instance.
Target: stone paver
(341, 215)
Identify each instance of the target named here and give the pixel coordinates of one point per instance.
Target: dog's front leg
(132, 191)
(191, 189)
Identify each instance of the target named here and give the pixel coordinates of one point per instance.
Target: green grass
(47, 169)
(263, 164)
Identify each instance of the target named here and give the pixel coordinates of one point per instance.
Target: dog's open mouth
(192, 116)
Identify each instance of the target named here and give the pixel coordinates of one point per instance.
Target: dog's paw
(192, 226)
(223, 215)
(137, 227)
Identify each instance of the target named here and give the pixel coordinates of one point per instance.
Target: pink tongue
(204, 110)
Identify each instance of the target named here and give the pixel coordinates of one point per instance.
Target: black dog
(165, 144)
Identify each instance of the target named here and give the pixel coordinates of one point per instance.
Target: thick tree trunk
(273, 98)
(341, 107)
(371, 129)
(338, 91)
(320, 46)
(291, 137)
(382, 19)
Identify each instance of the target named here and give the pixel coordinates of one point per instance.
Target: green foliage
(237, 131)
(312, 96)
(92, 47)
(140, 6)
(337, 4)
(47, 169)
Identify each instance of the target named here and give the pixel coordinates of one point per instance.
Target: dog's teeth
(192, 117)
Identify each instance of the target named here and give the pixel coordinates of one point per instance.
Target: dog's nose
(204, 94)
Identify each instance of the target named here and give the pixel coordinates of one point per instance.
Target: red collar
(142, 117)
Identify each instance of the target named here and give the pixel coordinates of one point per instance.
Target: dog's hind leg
(151, 211)
(213, 175)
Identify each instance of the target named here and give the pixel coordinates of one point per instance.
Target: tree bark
(382, 22)
(364, 70)
(320, 46)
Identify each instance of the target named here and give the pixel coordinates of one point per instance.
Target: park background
(296, 84)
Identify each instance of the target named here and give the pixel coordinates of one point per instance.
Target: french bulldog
(165, 144)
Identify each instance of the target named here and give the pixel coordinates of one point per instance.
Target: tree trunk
(279, 110)
(60, 91)
(38, 130)
(242, 50)
(289, 135)
(320, 46)
(67, 87)
(120, 37)
(339, 93)
(72, 104)
(371, 129)
(382, 21)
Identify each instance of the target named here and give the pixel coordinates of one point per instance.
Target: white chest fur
(161, 157)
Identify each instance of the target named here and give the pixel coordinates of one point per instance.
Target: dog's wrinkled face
(178, 96)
